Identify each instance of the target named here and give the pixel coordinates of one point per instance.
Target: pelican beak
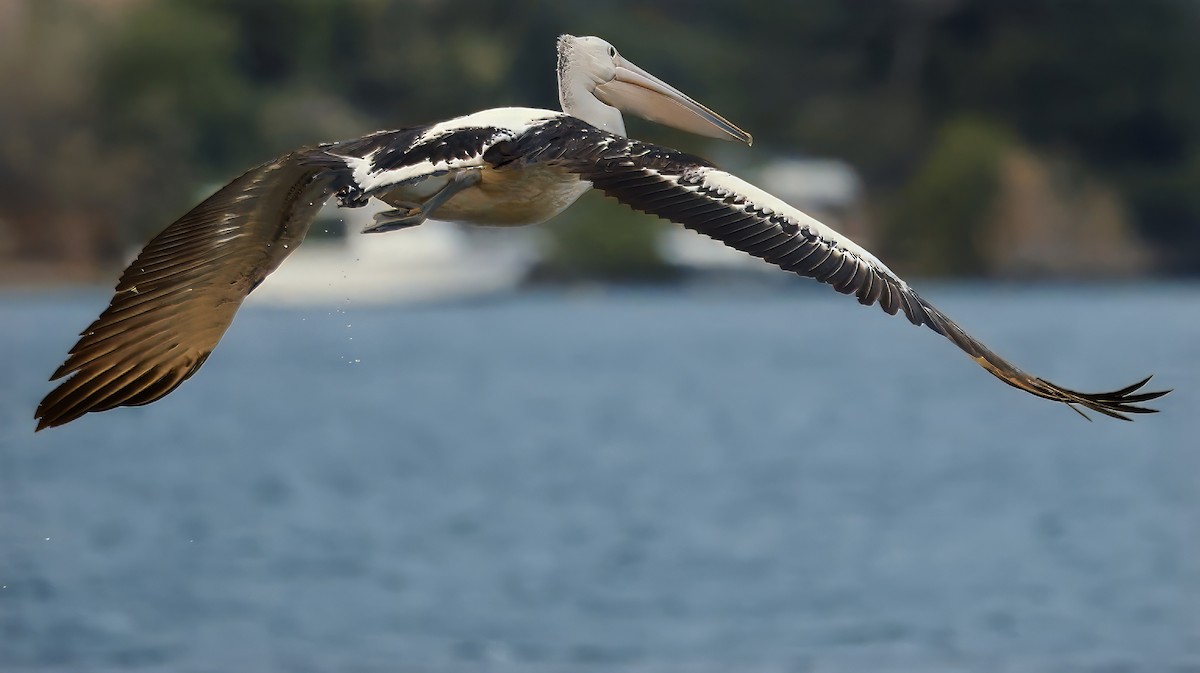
(636, 91)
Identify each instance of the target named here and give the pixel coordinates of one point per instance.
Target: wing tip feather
(1117, 404)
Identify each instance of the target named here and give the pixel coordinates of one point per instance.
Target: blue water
(683, 482)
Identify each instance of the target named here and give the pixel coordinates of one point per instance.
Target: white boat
(436, 261)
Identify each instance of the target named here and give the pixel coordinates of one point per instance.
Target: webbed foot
(391, 220)
(413, 214)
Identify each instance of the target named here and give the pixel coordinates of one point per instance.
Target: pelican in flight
(504, 166)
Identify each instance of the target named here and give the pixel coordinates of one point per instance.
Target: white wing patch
(360, 167)
(724, 184)
(368, 179)
(507, 122)
(514, 119)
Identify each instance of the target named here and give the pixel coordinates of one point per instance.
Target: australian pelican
(505, 166)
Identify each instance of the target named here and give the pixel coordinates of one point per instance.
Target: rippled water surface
(764, 482)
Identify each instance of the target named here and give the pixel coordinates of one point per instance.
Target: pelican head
(595, 84)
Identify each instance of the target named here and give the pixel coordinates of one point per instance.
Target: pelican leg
(403, 218)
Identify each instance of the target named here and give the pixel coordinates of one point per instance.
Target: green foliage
(944, 208)
(169, 79)
(158, 97)
(1169, 205)
(600, 240)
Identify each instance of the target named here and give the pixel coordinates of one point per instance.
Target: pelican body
(443, 170)
(499, 167)
(475, 191)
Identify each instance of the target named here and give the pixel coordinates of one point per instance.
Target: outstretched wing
(175, 301)
(690, 191)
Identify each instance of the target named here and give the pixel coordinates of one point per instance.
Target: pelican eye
(612, 52)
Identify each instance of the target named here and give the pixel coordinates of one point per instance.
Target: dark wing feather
(385, 151)
(175, 301)
(690, 191)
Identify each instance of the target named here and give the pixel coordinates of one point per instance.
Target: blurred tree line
(117, 113)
